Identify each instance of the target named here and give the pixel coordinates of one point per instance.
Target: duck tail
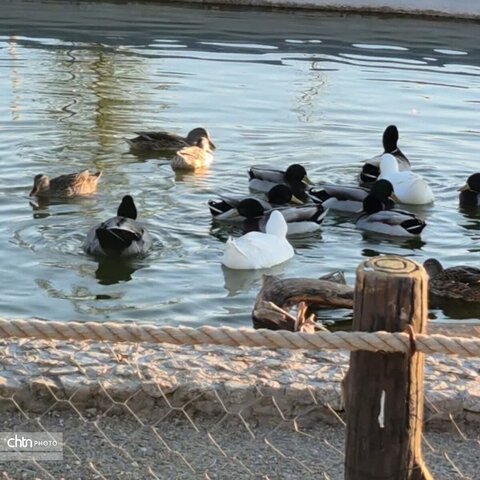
(369, 173)
(320, 214)
(414, 226)
(217, 208)
(115, 240)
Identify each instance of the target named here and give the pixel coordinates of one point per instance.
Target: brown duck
(456, 283)
(81, 183)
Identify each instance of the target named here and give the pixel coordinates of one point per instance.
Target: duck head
(388, 164)
(473, 184)
(276, 225)
(127, 208)
(40, 182)
(433, 267)
(250, 208)
(297, 173)
(390, 139)
(383, 190)
(281, 194)
(197, 134)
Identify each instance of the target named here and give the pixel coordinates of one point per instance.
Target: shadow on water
(453, 309)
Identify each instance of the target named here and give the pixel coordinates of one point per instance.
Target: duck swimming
(393, 222)
(262, 179)
(72, 184)
(300, 219)
(158, 141)
(349, 198)
(470, 193)
(194, 157)
(456, 283)
(120, 236)
(409, 187)
(226, 208)
(256, 250)
(371, 168)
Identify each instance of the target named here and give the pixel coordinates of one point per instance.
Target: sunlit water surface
(272, 87)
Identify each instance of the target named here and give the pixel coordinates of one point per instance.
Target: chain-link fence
(139, 411)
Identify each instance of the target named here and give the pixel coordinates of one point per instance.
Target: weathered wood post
(384, 391)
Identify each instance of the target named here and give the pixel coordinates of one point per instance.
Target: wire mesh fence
(139, 411)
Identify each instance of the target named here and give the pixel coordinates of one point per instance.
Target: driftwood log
(287, 292)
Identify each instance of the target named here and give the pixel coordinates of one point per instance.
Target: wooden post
(384, 391)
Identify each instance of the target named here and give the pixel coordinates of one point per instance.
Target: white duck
(120, 236)
(409, 187)
(256, 250)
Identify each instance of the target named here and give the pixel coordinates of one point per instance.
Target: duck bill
(33, 192)
(394, 198)
(211, 145)
(296, 200)
(464, 188)
(307, 181)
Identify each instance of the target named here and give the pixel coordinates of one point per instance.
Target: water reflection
(115, 270)
(243, 280)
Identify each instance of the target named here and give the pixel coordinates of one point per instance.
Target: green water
(272, 87)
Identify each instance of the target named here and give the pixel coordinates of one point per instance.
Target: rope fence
(353, 341)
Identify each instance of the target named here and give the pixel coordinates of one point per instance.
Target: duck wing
(265, 173)
(461, 282)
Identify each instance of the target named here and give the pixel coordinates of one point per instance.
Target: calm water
(272, 87)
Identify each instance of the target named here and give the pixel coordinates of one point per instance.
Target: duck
(456, 283)
(226, 208)
(392, 222)
(470, 193)
(164, 141)
(349, 198)
(371, 168)
(409, 187)
(70, 185)
(262, 179)
(193, 157)
(301, 219)
(119, 236)
(256, 250)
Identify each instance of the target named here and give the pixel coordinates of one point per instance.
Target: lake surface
(272, 87)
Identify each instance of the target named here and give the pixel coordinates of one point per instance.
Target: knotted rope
(352, 341)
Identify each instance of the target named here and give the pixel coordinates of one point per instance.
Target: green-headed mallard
(256, 250)
(157, 141)
(371, 168)
(262, 179)
(470, 192)
(193, 158)
(393, 222)
(81, 183)
(120, 236)
(456, 283)
(349, 198)
(300, 219)
(226, 208)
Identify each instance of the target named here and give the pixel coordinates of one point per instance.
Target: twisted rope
(352, 341)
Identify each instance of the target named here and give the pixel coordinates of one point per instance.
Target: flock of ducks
(284, 203)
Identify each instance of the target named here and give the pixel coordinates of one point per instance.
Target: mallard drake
(256, 250)
(349, 198)
(409, 187)
(470, 192)
(120, 236)
(456, 283)
(393, 222)
(194, 157)
(300, 219)
(158, 141)
(226, 208)
(371, 168)
(81, 183)
(262, 179)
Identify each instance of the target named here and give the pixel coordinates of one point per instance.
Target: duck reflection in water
(115, 270)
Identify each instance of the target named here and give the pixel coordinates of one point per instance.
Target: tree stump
(384, 391)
